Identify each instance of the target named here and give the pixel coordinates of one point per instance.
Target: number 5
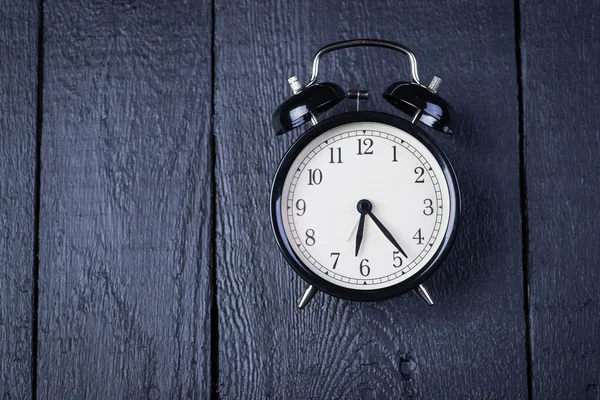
(397, 259)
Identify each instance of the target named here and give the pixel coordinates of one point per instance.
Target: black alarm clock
(365, 205)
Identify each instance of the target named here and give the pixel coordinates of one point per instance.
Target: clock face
(366, 205)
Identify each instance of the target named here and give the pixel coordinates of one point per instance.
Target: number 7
(337, 257)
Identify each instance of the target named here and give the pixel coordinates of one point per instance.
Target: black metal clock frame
(283, 241)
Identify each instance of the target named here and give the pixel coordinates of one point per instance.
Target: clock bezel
(285, 245)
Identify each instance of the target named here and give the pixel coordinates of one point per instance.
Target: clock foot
(307, 296)
(422, 292)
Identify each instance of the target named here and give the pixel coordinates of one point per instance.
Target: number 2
(420, 171)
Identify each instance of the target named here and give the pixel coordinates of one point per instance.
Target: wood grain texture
(18, 102)
(562, 130)
(471, 345)
(125, 216)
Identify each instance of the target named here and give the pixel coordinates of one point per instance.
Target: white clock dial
(401, 179)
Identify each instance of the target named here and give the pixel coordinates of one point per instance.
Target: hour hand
(386, 233)
(359, 234)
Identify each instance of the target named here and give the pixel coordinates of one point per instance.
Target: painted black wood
(18, 104)
(561, 126)
(471, 344)
(126, 188)
(125, 211)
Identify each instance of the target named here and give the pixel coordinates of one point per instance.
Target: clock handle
(363, 43)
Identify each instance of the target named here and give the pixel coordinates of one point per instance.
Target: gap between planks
(523, 198)
(37, 199)
(214, 307)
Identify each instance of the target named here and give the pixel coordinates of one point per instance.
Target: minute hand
(386, 233)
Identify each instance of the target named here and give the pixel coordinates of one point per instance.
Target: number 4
(419, 237)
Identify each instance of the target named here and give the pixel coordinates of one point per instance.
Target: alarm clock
(364, 204)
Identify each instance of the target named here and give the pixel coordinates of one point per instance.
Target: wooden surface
(399, 348)
(124, 222)
(159, 277)
(18, 107)
(562, 128)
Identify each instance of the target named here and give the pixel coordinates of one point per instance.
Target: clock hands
(386, 233)
(359, 234)
(351, 233)
(365, 207)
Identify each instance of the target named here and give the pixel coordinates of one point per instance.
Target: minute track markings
(307, 160)
(393, 138)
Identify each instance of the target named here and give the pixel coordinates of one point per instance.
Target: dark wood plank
(18, 102)
(472, 343)
(561, 125)
(125, 212)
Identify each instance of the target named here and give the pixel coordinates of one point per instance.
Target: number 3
(428, 207)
